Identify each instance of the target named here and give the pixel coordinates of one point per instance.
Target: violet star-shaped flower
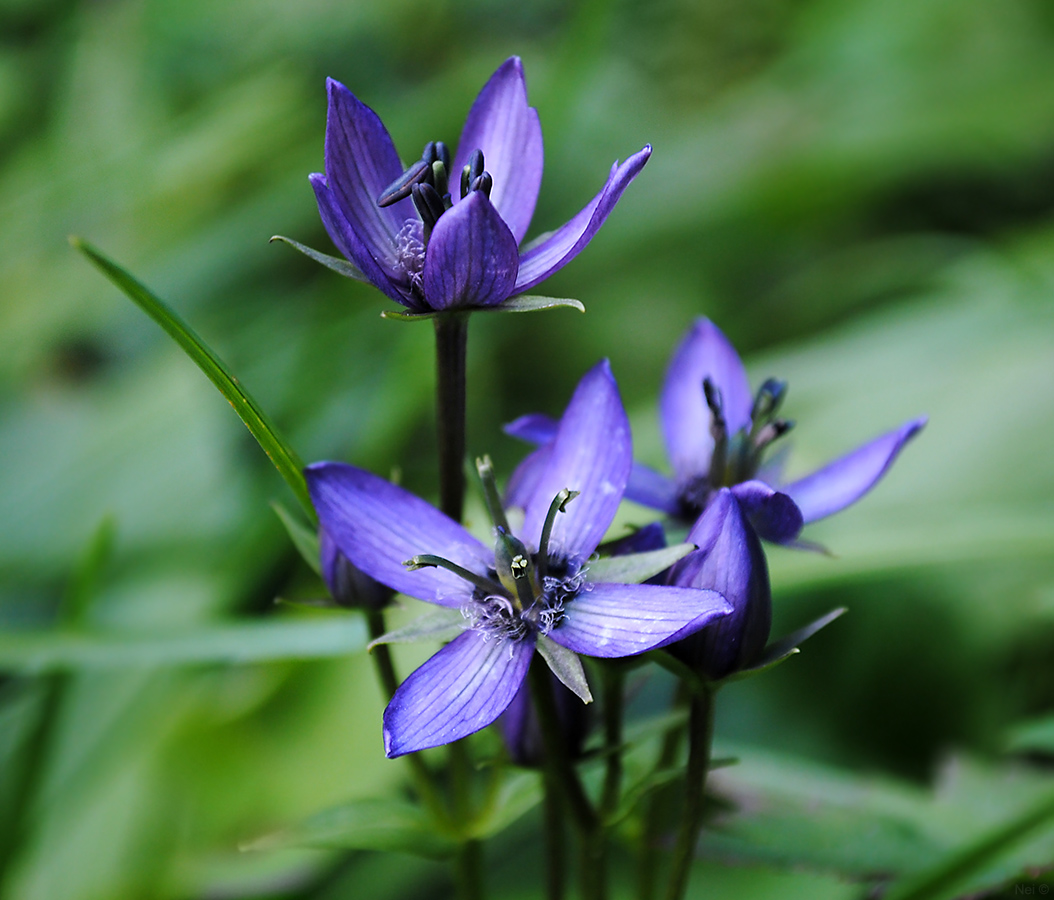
(444, 234)
(527, 593)
(716, 432)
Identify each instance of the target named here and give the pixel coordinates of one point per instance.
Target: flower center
(427, 182)
(736, 457)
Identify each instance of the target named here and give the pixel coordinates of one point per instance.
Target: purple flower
(444, 234)
(716, 432)
(531, 592)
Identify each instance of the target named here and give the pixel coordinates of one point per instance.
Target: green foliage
(859, 193)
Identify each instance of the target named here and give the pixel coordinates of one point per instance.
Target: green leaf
(1033, 735)
(633, 568)
(33, 651)
(786, 647)
(948, 876)
(84, 585)
(520, 791)
(305, 539)
(389, 825)
(566, 666)
(522, 303)
(338, 264)
(440, 625)
(256, 420)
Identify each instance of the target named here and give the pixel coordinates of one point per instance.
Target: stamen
(768, 401)
(475, 165)
(490, 493)
(429, 204)
(443, 154)
(558, 505)
(719, 432)
(513, 563)
(484, 183)
(400, 189)
(773, 431)
(439, 177)
(428, 561)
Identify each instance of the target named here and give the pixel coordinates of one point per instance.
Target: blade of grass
(260, 426)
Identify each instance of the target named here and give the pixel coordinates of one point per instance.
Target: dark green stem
(451, 347)
(614, 682)
(556, 858)
(700, 737)
(561, 777)
(469, 857)
(659, 804)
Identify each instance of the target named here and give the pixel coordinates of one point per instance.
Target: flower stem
(561, 777)
(556, 859)
(614, 682)
(451, 347)
(700, 737)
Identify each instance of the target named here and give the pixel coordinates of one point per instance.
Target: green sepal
(338, 264)
(522, 303)
(535, 303)
(786, 647)
(305, 539)
(566, 666)
(440, 625)
(387, 825)
(633, 568)
(249, 411)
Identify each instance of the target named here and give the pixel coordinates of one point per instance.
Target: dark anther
(484, 183)
(475, 165)
(401, 188)
(429, 204)
(443, 154)
(772, 432)
(768, 400)
(430, 153)
(713, 398)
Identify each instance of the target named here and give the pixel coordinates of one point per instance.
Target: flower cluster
(442, 236)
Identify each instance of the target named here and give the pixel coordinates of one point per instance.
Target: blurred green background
(859, 192)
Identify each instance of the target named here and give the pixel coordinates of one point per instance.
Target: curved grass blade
(256, 420)
(948, 876)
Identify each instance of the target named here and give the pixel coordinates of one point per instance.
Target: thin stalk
(381, 655)
(555, 857)
(700, 738)
(468, 861)
(659, 805)
(451, 346)
(562, 778)
(614, 682)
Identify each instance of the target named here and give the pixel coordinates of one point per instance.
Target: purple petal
(534, 428)
(774, 516)
(347, 242)
(471, 258)
(652, 489)
(378, 526)
(703, 353)
(591, 454)
(564, 244)
(360, 163)
(729, 560)
(525, 480)
(460, 690)
(612, 620)
(651, 537)
(348, 585)
(846, 480)
(506, 129)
